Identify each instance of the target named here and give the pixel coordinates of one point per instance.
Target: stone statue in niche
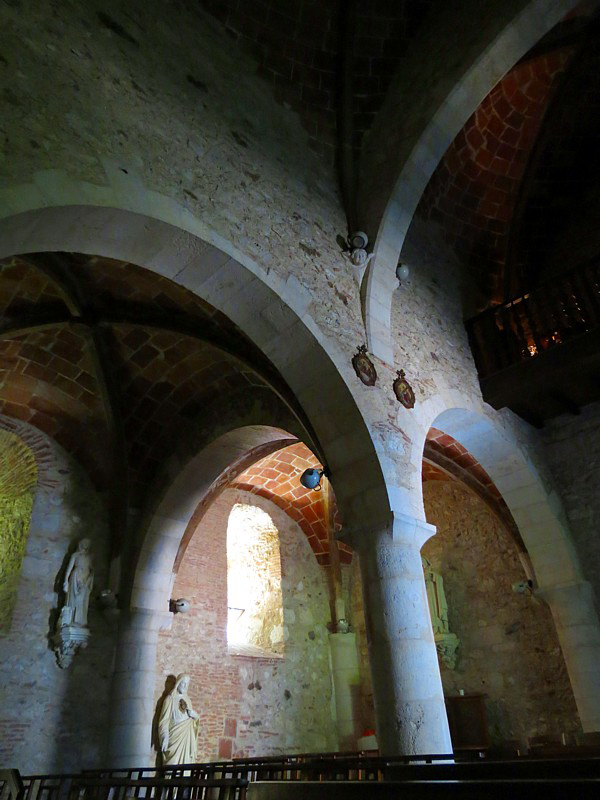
(72, 632)
(178, 725)
(446, 642)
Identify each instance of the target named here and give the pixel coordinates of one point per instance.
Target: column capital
(411, 531)
(402, 530)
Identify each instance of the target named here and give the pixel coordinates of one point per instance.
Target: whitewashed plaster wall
(52, 719)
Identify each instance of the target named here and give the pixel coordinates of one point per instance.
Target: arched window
(254, 601)
(18, 477)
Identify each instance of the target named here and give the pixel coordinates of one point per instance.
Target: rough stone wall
(508, 644)
(55, 720)
(248, 705)
(573, 452)
(169, 99)
(356, 611)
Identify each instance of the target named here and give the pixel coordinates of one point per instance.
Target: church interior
(299, 381)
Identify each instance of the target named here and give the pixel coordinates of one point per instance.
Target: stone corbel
(68, 639)
(446, 645)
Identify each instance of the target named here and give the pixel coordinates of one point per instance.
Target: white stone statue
(72, 632)
(78, 583)
(178, 725)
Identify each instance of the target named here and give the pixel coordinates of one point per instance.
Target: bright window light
(254, 601)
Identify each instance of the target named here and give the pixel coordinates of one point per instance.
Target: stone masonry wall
(508, 644)
(573, 452)
(166, 97)
(52, 719)
(250, 705)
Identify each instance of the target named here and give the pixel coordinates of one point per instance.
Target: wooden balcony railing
(539, 321)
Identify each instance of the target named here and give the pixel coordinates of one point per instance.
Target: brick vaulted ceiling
(529, 150)
(79, 333)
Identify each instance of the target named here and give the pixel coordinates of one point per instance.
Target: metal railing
(232, 780)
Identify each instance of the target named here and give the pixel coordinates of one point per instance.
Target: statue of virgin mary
(178, 725)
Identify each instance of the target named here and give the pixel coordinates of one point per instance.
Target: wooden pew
(567, 789)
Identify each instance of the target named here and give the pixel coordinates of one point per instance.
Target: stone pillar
(346, 687)
(576, 620)
(407, 687)
(132, 693)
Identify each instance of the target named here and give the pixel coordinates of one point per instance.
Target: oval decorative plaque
(364, 367)
(403, 390)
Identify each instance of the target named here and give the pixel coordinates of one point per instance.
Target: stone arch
(162, 541)
(273, 313)
(178, 514)
(537, 511)
(533, 503)
(396, 169)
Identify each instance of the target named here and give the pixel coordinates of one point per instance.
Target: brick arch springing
(277, 478)
(563, 169)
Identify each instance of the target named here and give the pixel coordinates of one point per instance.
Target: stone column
(132, 693)
(346, 687)
(576, 620)
(407, 687)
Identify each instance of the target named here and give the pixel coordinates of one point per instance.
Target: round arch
(532, 501)
(397, 168)
(162, 537)
(537, 511)
(273, 314)
(167, 532)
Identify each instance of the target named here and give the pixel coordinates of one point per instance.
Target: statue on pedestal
(446, 642)
(178, 725)
(72, 631)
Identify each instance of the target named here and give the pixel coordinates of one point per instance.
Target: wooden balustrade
(536, 322)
